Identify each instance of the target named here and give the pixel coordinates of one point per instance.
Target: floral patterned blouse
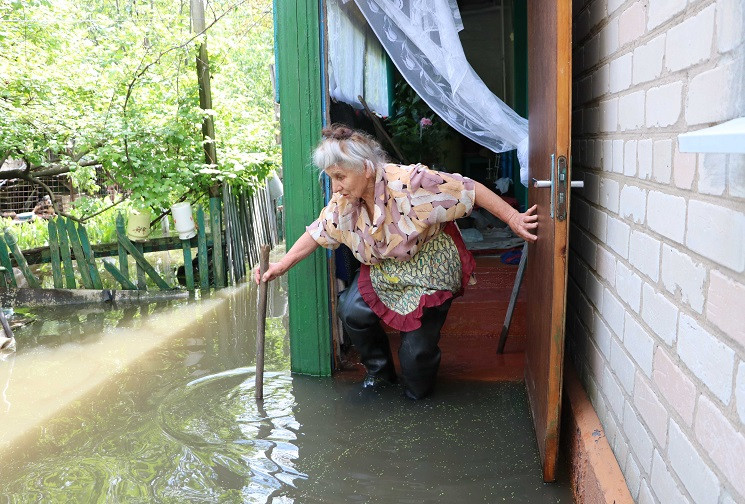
(411, 252)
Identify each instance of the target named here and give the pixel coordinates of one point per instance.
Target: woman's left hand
(523, 223)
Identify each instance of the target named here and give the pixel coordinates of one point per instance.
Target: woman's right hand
(275, 270)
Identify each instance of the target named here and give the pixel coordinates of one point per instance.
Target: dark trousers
(419, 354)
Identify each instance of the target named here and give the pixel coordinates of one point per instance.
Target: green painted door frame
(298, 33)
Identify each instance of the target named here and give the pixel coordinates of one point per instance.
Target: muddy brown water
(154, 403)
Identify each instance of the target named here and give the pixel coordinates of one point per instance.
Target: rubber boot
(419, 354)
(363, 328)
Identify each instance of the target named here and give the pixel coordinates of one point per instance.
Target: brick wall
(656, 293)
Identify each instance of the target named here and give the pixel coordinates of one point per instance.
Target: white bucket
(183, 220)
(138, 224)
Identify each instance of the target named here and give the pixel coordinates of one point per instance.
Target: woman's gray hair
(349, 148)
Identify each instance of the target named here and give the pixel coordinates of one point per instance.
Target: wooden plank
(55, 257)
(83, 267)
(30, 297)
(218, 264)
(141, 283)
(204, 273)
(142, 262)
(5, 262)
(64, 246)
(549, 87)
(121, 251)
(513, 299)
(299, 65)
(229, 241)
(89, 257)
(20, 260)
(125, 282)
(188, 266)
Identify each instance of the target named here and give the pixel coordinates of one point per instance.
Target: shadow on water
(181, 425)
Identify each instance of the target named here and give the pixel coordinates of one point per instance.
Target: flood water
(154, 403)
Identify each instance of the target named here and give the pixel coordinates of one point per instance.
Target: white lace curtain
(421, 37)
(357, 64)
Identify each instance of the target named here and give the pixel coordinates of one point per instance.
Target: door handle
(578, 184)
(541, 183)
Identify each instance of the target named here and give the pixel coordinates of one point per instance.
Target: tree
(112, 85)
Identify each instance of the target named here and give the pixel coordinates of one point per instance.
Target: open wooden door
(549, 100)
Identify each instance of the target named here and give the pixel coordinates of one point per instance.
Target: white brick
(580, 213)
(645, 494)
(648, 60)
(639, 344)
(598, 223)
(613, 393)
(631, 23)
(628, 286)
(633, 203)
(728, 499)
(736, 175)
(601, 81)
(597, 13)
(631, 111)
(717, 233)
(594, 290)
(617, 237)
(683, 49)
(664, 105)
(712, 174)
(651, 410)
(684, 169)
(606, 265)
(681, 274)
(666, 214)
(730, 24)
(597, 158)
(595, 361)
(710, 94)
(697, 477)
(620, 73)
(740, 392)
(609, 38)
(660, 314)
(622, 366)
(663, 483)
(633, 475)
(602, 335)
(725, 306)
(661, 11)
(613, 5)
(644, 152)
(629, 158)
(609, 194)
(613, 312)
(618, 156)
(663, 161)
(722, 442)
(592, 184)
(644, 254)
(675, 387)
(609, 115)
(711, 361)
(641, 443)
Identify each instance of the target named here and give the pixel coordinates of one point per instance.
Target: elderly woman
(398, 221)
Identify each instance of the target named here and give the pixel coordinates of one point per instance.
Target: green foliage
(416, 130)
(116, 83)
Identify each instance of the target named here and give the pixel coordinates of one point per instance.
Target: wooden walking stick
(261, 323)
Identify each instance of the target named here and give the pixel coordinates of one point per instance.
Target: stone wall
(656, 292)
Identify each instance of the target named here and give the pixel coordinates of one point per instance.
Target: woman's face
(349, 183)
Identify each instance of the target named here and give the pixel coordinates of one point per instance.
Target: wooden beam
(299, 67)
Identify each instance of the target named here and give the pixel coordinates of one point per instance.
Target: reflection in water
(181, 425)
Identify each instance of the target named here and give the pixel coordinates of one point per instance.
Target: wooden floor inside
(471, 333)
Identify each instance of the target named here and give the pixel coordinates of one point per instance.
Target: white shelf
(728, 137)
